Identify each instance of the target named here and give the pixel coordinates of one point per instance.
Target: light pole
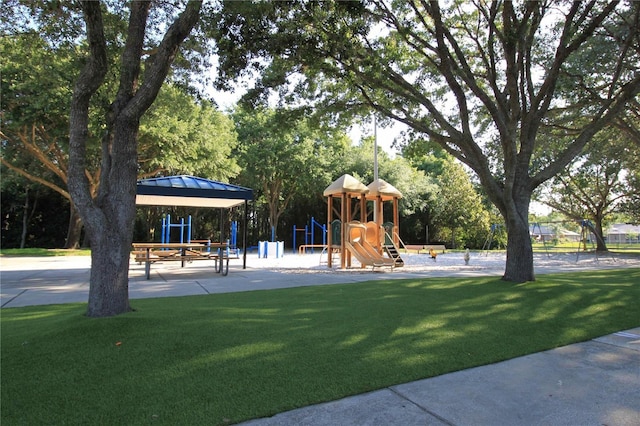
(375, 166)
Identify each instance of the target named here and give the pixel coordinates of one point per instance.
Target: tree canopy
(597, 183)
(284, 156)
(177, 135)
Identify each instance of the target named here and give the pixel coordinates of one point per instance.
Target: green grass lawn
(225, 358)
(40, 252)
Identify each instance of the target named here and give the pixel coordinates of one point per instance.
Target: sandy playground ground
(480, 263)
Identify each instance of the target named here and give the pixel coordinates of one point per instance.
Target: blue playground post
(309, 233)
(165, 236)
(295, 230)
(323, 228)
(232, 242)
(234, 233)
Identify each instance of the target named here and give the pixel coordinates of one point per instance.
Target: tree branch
(88, 82)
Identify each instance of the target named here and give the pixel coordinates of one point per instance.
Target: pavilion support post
(222, 237)
(244, 234)
(221, 225)
(330, 241)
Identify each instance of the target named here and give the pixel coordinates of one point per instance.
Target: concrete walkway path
(590, 383)
(47, 280)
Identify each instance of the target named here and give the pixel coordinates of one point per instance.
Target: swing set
(584, 236)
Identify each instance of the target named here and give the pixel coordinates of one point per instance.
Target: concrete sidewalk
(590, 383)
(49, 280)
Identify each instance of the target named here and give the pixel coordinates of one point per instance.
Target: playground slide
(363, 251)
(373, 253)
(360, 253)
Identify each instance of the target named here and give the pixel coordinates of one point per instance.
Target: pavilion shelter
(191, 191)
(345, 190)
(380, 192)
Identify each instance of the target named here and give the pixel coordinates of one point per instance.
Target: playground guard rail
(395, 234)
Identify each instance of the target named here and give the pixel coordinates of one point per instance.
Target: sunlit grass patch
(230, 357)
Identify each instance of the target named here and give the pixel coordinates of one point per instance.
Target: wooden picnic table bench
(184, 252)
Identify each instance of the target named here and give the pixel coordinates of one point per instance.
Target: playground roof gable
(382, 189)
(190, 191)
(345, 184)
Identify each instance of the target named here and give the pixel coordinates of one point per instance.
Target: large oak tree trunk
(109, 289)
(74, 230)
(26, 217)
(112, 227)
(601, 246)
(109, 219)
(110, 231)
(514, 208)
(519, 265)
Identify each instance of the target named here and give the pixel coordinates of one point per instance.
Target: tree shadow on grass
(231, 357)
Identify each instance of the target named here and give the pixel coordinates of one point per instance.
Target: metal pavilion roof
(190, 191)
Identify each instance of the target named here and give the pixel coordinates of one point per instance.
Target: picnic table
(183, 252)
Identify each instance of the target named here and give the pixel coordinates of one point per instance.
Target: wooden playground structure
(372, 243)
